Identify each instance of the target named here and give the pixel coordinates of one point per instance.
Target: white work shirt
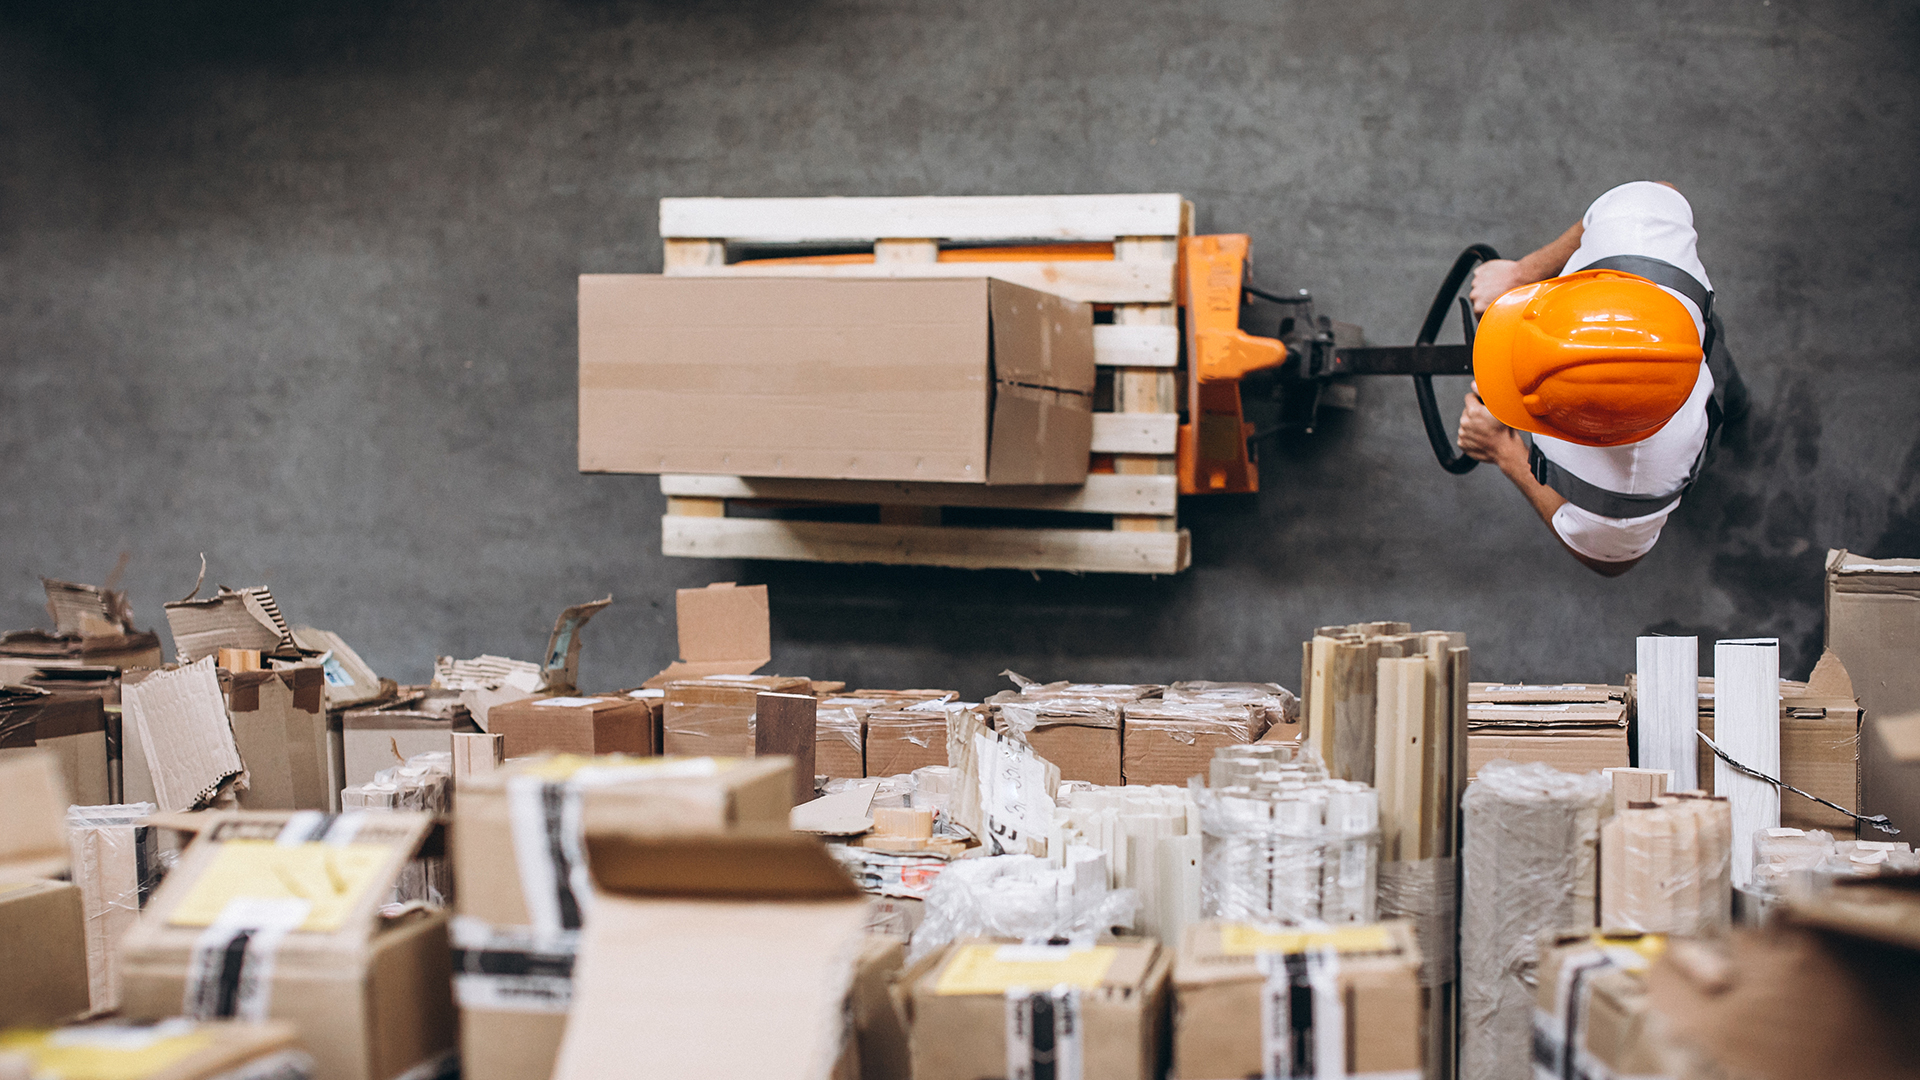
(1655, 221)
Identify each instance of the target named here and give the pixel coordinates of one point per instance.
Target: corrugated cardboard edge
(193, 757)
(561, 666)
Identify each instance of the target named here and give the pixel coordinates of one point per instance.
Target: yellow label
(995, 969)
(1239, 939)
(331, 877)
(111, 1053)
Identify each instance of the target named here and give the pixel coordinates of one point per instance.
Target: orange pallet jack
(1215, 453)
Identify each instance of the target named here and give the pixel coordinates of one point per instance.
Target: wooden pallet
(1131, 526)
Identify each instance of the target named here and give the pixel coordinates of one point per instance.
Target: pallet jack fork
(1214, 455)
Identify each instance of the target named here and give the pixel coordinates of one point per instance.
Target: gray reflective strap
(1598, 500)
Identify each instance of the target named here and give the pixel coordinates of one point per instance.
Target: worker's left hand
(1484, 438)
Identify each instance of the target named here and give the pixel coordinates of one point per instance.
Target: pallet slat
(967, 218)
(1083, 550)
(1089, 282)
(1102, 494)
(1136, 346)
(1135, 433)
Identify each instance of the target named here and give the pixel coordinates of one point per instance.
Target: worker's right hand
(1493, 278)
(1484, 438)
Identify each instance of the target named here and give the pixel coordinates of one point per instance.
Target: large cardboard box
(1591, 1016)
(840, 738)
(902, 740)
(1873, 624)
(958, 1008)
(376, 739)
(714, 715)
(1365, 1003)
(957, 380)
(170, 1050)
(604, 724)
(71, 726)
(728, 956)
(280, 727)
(43, 949)
(1172, 743)
(521, 888)
(1574, 727)
(277, 914)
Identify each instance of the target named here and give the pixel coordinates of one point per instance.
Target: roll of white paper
(1746, 724)
(1667, 687)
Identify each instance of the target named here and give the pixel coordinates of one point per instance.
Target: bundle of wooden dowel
(1387, 706)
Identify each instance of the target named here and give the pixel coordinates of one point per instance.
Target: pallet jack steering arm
(1213, 451)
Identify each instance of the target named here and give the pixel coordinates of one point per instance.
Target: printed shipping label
(1043, 1034)
(512, 969)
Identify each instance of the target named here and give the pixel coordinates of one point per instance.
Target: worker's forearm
(1550, 260)
(1545, 501)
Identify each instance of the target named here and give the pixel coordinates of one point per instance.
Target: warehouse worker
(1604, 345)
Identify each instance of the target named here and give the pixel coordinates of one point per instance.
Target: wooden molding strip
(1084, 550)
(980, 217)
(1154, 496)
(1135, 433)
(1136, 346)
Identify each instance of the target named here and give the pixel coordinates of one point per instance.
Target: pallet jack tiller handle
(1451, 459)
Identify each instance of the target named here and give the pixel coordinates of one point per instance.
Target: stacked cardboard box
(43, 950)
(521, 885)
(992, 1008)
(275, 914)
(1573, 727)
(1591, 1016)
(117, 865)
(1235, 1012)
(70, 726)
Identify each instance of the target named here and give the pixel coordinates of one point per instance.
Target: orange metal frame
(1214, 458)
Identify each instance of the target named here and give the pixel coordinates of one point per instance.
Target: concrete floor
(293, 285)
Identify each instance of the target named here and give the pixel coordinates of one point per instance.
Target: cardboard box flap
(1829, 678)
(350, 681)
(334, 871)
(725, 629)
(180, 720)
(1039, 339)
(750, 865)
(230, 619)
(561, 668)
(33, 806)
(87, 611)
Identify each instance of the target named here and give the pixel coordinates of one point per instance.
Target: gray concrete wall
(293, 285)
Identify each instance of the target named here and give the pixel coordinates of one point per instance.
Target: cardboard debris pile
(486, 681)
(92, 627)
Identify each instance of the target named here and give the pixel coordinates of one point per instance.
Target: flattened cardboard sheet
(725, 629)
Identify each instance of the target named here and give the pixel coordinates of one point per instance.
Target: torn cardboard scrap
(178, 720)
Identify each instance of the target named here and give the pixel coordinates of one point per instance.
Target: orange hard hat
(1600, 357)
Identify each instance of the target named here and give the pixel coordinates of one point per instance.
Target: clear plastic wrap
(1278, 702)
(1796, 863)
(1023, 897)
(117, 863)
(424, 782)
(1666, 867)
(840, 743)
(1284, 845)
(1529, 865)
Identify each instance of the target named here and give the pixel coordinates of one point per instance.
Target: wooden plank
(976, 217)
(1135, 433)
(1153, 346)
(681, 253)
(1101, 494)
(1084, 550)
(1089, 282)
(906, 251)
